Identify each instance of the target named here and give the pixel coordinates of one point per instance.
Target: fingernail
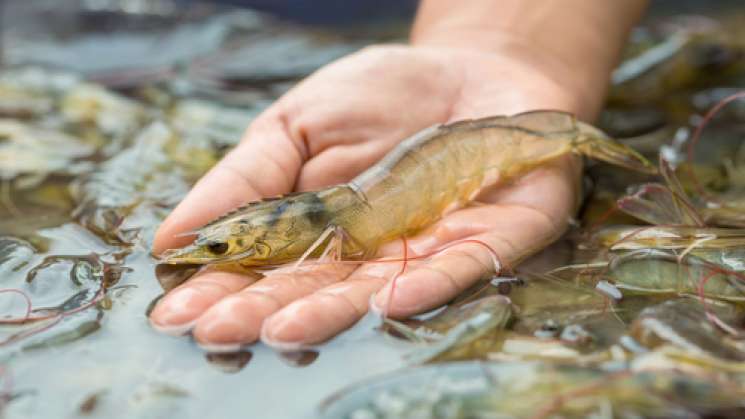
(221, 327)
(220, 347)
(375, 307)
(177, 312)
(173, 330)
(402, 300)
(284, 346)
(379, 302)
(282, 331)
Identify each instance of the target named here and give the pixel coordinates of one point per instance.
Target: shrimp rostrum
(435, 171)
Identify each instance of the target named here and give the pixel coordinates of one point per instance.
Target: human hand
(331, 127)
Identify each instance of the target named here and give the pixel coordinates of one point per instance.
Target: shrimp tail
(593, 143)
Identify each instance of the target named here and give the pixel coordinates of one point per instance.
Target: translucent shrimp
(534, 390)
(429, 174)
(464, 331)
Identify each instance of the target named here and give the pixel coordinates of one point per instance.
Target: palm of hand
(325, 131)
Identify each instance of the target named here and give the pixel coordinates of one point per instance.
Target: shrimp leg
(333, 250)
(335, 245)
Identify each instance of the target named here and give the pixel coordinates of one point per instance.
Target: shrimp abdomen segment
(444, 167)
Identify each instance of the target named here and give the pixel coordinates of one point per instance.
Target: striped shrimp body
(425, 176)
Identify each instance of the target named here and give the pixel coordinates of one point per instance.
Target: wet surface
(87, 174)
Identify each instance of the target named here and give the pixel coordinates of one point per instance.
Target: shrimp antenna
(697, 136)
(404, 264)
(189, 233)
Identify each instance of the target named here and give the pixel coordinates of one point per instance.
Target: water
(137, 371)
(125, 369)
(95, 355)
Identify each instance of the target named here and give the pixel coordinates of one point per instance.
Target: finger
(548, 191)
(265, 163)
(328, 311)
(338, 164)
(333, 309)
(180, 308)
(552, 189)
(514, 233)
(236, 319)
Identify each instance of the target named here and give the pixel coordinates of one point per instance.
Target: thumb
(265, 163)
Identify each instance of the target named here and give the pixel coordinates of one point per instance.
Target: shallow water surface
(76, 226)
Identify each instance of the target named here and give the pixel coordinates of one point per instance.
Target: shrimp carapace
(427, 175)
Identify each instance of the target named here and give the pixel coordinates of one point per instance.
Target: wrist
(575, 42)
(584, 84)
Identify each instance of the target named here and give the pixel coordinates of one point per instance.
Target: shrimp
(685, 59)
(438, 170)
(519, 389)
(657, 271)
(685, 324)
(460, 331)
(668, 237)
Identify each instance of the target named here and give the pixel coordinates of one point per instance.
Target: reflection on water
(299, 358)
(86, 175)
(229, 363)
(171, 276)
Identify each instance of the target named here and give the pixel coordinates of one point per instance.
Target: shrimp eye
(217, 248)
